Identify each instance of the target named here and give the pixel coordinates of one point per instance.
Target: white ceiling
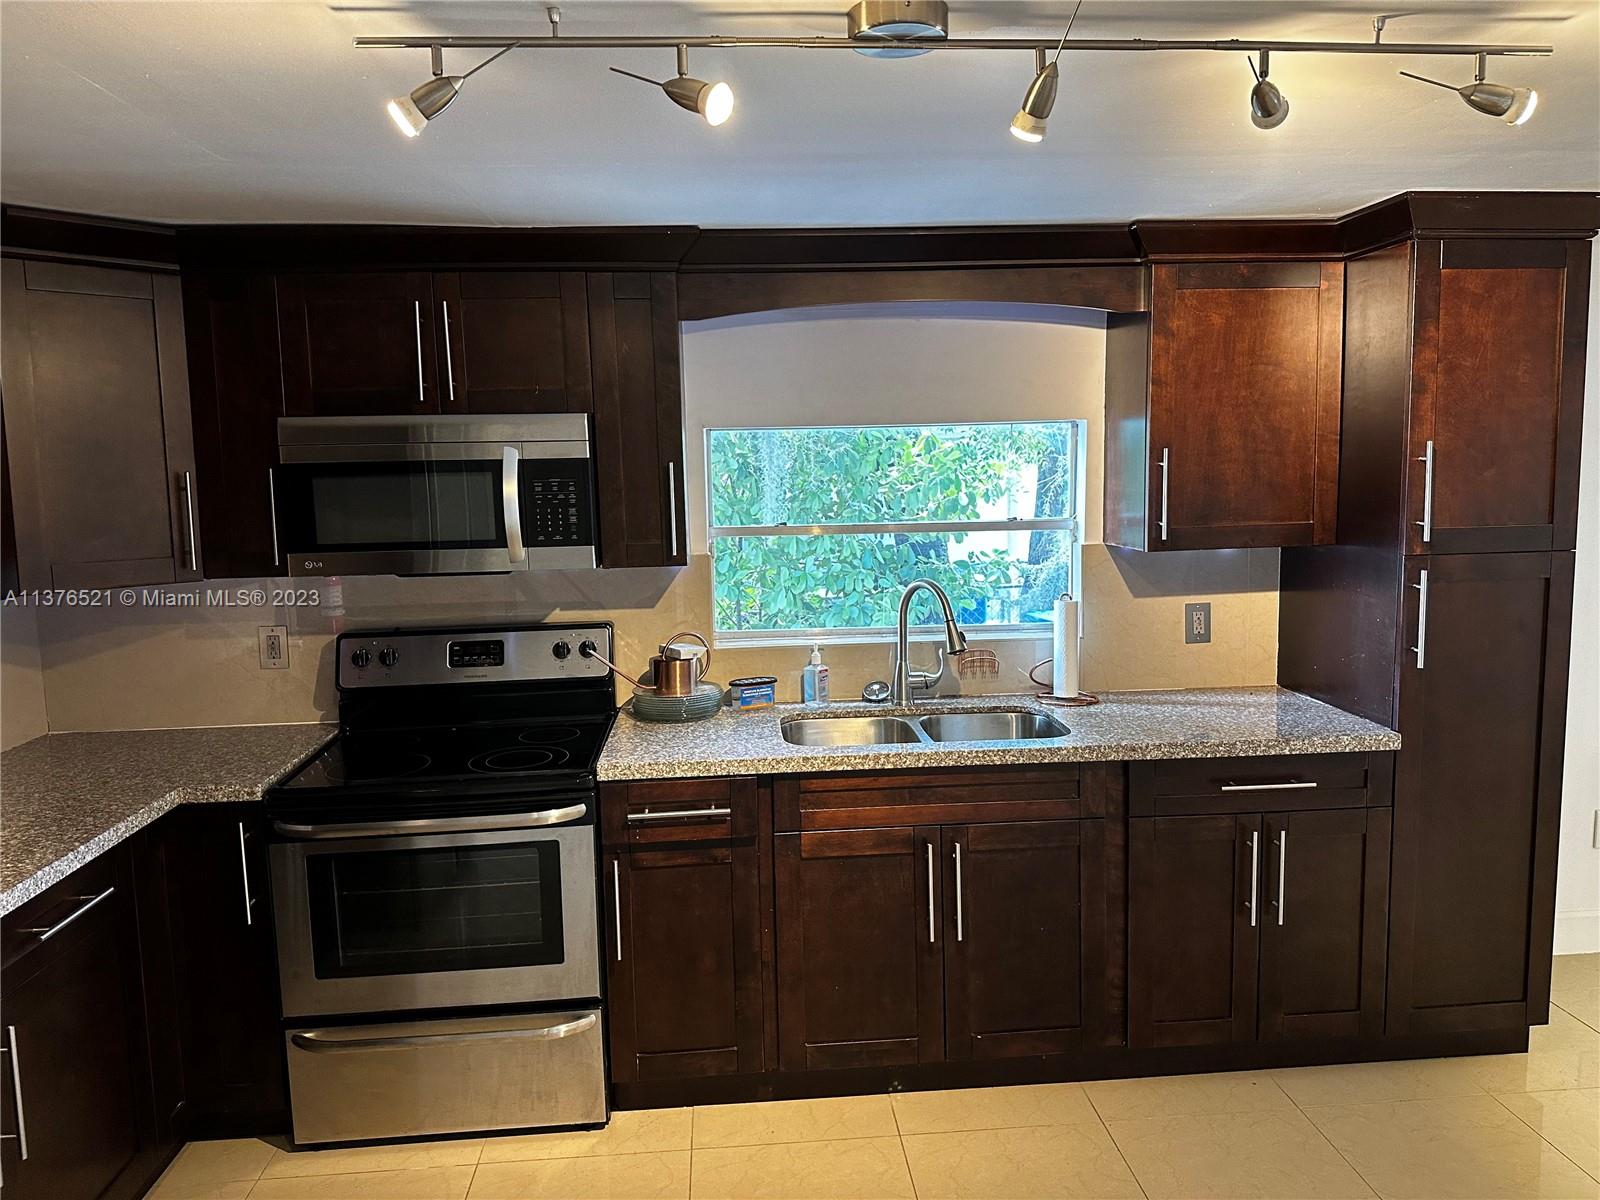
(263, 111)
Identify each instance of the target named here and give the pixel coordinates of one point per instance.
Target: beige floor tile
(993, 1108)
(1562, 1056)
(1569, 1121)
(422, 1183)
(218, 1162)
(1019, 1164)
(233, 1189)
(859, 1169)
(599, 1177)
(1365, 1083)
(455, 1152)
(645, 1131)
(1582, 1003)
(1574, 972)
(826, 1120)
(1181, 1095)
(1235, 1156)
(1465, 1146)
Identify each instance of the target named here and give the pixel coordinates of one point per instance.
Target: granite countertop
(1203, 723)
(66, 797)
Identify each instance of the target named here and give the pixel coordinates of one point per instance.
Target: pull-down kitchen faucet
(955, 642)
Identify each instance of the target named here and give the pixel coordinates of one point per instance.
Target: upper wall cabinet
(1496, 395)
(358, 344)
(514, 341)
(1222, 408)
(97, 427)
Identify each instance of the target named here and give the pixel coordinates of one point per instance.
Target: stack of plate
(705, 701)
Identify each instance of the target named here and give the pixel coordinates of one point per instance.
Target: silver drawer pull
(616, 887)
(327, 1043)
(1166, 471)
(1255, 874)
(16, 1093)
(46, 932)
(1421, 648)
(244, 876)
(1427, 493)
(677, 814)
(1287, 785)
(961, 916)
(929, 846)
(188, 504)
(1283, 858)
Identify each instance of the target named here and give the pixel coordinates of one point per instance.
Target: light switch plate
(273, 643)
(1197, 623)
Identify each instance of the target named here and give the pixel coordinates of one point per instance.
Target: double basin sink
(1009, 725)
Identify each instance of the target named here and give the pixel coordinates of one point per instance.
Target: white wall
(1578, 873)
(22, 703)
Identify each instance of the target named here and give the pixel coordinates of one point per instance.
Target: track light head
(413, 112)
(1268, 108)
(713, 101)
(1029, 123)
(1513, 105)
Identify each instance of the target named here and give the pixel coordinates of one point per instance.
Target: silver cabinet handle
(554, 816)
(272, 502)
(680, 814)
(1421, 648)
(1287, 785)
(1255, 874)
(929, 847)
(188, 504)
(1166, 469)
(961, 925)
(422, 397)
(616, 888)
(46, 932)
(319, 1042)
(16, 1093)
(672, 506)
(244, 876)
(1283, 855)
(449, 367)
(1427, 492)
(510, 469)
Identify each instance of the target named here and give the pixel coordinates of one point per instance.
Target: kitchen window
(815, 531)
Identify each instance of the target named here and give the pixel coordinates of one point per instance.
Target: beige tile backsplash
(175, 666)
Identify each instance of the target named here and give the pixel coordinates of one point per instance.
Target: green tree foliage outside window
(952, 475)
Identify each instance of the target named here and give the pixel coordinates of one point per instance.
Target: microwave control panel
(557, 502)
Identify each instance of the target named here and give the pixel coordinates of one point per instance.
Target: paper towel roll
(1064, 649)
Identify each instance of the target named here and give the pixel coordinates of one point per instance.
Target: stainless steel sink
(1012, 726)
(850, 731)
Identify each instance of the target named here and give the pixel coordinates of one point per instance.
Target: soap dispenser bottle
(814, 679)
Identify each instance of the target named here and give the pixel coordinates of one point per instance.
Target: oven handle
(322, 1043)
(491, 824)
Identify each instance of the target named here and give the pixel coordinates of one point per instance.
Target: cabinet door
(1324, 926)
(1477, 790)
(1244, 404)
(514, 341)
(1194, 905)
(1018, 973)
(859, 948)
(74, 1076)
(358, 344)
(684, 958)
(638, 419)
(97, 423)
(1497, 395)
(226, 966)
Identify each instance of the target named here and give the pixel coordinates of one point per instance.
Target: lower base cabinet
(1257, 926)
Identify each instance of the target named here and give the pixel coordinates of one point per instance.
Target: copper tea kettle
(678, 667)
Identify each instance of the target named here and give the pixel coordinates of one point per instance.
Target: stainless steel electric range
(434, 881)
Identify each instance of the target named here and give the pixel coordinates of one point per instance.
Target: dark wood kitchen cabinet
(634, 339)
(514, 341)
(98, 433)
(1222, 408)
(358, 344)
(682, 895)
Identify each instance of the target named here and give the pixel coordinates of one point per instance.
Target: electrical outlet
(1197, 623)
(273, 643)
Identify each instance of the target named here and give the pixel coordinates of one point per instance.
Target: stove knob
(361, 659)
(388, 656)
(561, 649)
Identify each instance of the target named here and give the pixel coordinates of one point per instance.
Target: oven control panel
(400, 658)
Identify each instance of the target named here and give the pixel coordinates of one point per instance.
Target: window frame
(868, 634)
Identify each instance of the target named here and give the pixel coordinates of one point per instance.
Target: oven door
(370, 920)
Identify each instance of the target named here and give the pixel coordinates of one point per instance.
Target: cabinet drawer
(667, 812)
(62, 908)
(1265, 783)
(948, 797)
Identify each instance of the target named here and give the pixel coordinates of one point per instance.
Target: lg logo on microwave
(312, 564)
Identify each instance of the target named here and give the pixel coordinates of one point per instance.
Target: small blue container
(758, 691)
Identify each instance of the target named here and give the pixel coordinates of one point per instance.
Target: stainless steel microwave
(439, 495)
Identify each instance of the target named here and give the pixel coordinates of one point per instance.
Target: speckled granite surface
(67, 797)
(1208, 723)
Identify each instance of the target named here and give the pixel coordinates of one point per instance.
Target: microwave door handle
(513, 505)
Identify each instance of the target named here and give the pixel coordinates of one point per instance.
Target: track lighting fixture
(1029, 123)
(1268, 108)
(1513, 105)
(713, 101)
(411, 113)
